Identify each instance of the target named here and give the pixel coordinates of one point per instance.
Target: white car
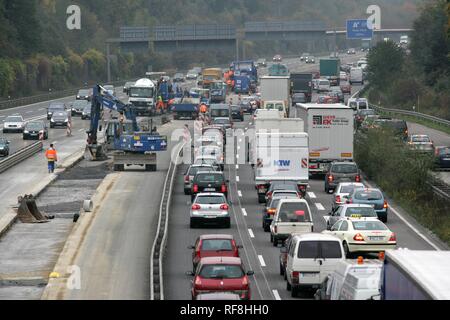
(343, 76)
(214, 151)
(191, 75)
(342, 191)
(211, 160)
(14, 123)
(323, 85)
(363, 235)
(351, 210)
(291, 216)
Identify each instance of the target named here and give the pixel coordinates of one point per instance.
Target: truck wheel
(191, 224)
(288, 286)
(281, 270)
(119, 167)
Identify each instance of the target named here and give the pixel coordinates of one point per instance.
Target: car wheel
(346, 250)
(294, 292)
(281, 270)
(192, 197)
(275, 242)
(271, 237)
(326, 189)
(384, 220)
(288, 286)
(266, 227)
(187, 191)
(191, 224)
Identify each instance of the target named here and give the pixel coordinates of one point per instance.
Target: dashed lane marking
(237, 178)
(261, 261)
(319, 206)
(244, 212)
(240, 193)
(237, 167)
(250, 232)
(311, 195)
(276, 294)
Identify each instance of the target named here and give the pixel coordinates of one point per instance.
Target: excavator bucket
(28, 212)
(95, 153)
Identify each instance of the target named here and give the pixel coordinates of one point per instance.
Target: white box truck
(275, 88)
(356, 75)
(330, 131)
(280, 157)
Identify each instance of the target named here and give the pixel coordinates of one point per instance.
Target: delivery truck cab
(277, 105)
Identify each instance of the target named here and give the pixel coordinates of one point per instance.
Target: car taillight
(224, 207)
(269, 194)
(195, 207)
(261, 186)
(385, 205)
(330, 178)
(186, 178)
(275, 229)
(358, 237)
(245, 281)
(393, 237)
(338, 199)
(195, 188)
(271, 211)
(295, 275)
(223, 188)
(358, 178)
(302, 187)
(198, 281)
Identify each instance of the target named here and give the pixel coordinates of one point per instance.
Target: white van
(323, 85)
(346, 275)
(356, 75)
(362, 286)
(276, 105)
(358, 104)
(291, 216)
(311, 258)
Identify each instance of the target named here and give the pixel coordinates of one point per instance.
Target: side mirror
(250, 273)
(191, 247)
(190, 273)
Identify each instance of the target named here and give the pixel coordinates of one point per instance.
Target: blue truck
(247, 67)
(416, 275)
(242, 84)
(185, 108)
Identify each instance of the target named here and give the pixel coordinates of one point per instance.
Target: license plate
(323, 165)
(376, 238)
(210, 217)
(210, 189)
(309, 275)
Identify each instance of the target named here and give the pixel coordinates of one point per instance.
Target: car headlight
(51, 120)
(1, 148)
(78, 97)
(25, 131)
(66, 120)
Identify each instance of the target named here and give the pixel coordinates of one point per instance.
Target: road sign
(358, 29)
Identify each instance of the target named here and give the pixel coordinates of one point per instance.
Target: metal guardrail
(7, 104)
(159, 244)
(20, 156)
(280, 26)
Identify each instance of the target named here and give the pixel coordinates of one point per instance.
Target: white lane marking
(55, 142)
(246, 128)
(237, 167)
(261, 261)
(319, 206)
(411, 226)
(311, 195)
(276, 294)
(250, 232)
(238, 147)
(250, 123)
(237, 178)
(237, 156)
(240, 193)
(40, 109)
(244, 212)
(30, 111)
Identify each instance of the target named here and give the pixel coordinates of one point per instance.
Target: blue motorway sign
(358, 29)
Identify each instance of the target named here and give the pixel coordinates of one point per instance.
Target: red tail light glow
(358, 237)
(385, 205)
(245, 281)
(186, 178)
(338, 199)
(224, 207)
(271, 211)
(295, 275)
(223, 188)
(198, 281)
(330, 178)
(195, 188)
(393, 237)
(358, 178)
(269, 194)
(196, 207)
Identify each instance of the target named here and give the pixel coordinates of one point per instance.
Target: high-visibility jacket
(203, 108)
(50, 154)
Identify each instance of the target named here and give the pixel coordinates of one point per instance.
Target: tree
(6, 77)
(385, 62)
(429, 41)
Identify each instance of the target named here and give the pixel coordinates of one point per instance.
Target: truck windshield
(141, 92)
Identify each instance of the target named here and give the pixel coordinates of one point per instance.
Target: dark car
(299, 97)
(59, 119)
(245, 106)
(341, 172)
(86, 112)
(237, 113)
(53, 107)
(442, 157)
(84, 94)
(224, 122)
(282, 185)
(284, 250)
(127, 86)
(4, 147)
(78, 107)
(209, 182)
(34, 129)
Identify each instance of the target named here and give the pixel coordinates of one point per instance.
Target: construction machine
(123, 137)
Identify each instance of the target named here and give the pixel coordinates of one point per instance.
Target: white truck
(143, 96)
(279, 152)
(330, 131)
(276, 88)
(356, 75)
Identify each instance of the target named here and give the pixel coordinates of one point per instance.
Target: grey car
(78, 106)
(190, 174)
(298, 98)
(59, 119)
(341, 172)
(351, 211)
(210, 208)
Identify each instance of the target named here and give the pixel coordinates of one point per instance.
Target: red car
(214, 245)
(221, 274)
(346, 89)
(326, 99)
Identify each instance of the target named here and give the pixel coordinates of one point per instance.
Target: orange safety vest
(50, 154)
(203, 108)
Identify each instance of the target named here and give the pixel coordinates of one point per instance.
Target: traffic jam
(292, 140)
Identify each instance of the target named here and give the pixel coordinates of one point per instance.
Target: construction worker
(160, 104)
(52, 157)
(203, 108)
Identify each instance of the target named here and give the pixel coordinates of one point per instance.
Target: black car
(299, 97)
(53, 107)
(282, 185)
(209, 182)
(442, 157)
(341, 172)
(59, 119)
(4, 147)
(86, 112)
(237, 113)
(33, 129)
(84, 94)
(78, 107)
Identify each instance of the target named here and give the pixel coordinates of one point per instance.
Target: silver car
(14, 123)
(209, 208)
(352, 211)
(190, 174)
(342, 191)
